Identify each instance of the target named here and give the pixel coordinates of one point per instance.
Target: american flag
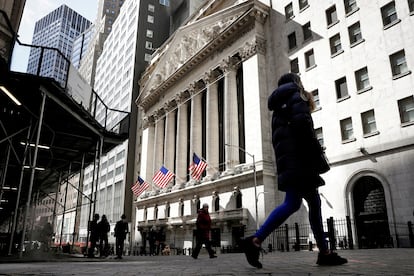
(162, 177)
(197, 167)
(140, 186)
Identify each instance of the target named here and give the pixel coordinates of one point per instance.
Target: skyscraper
(108, 11)
(57, 30)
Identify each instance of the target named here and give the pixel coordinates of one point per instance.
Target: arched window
(181, 208)
(216, 204)
(156, 212)
(167, 210)
(198, 205)
(239, 200)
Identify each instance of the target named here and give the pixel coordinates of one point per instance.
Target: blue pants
(292, 203)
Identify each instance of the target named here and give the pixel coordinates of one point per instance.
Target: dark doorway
(371, 214)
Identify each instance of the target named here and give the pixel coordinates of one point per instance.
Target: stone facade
(206, 91)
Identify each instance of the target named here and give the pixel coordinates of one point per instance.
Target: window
(335, 43)
(147, 57)
(341, 88)
(406, 107)
(307, 33)
(148, 45)
(289, 11)
(355, 34)
(294, 66)
(156, 212)
(309, 59)
(389, 14)
(292, 40)
(398, 63)
(151, 8)
(216, 204)
(350, 6)
(368, 122)
(411, 5)
(239, 200)
(303, 4)
(319, 136)
(362, 79)
(165, 2)
(347, 132)
(150, 33)
(331, 16)
(150, 19)
(181, 209)
(315, 94)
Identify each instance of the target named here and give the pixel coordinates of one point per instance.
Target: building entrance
(371, 214)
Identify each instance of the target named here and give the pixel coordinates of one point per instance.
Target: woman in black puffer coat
(299, 161)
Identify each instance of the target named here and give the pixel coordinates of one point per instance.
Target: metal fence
(340, 234)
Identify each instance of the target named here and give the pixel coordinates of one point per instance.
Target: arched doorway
(371, 213)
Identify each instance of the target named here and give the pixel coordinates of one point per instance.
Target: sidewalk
(360, 262)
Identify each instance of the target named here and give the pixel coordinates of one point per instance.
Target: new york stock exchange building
(205, 92)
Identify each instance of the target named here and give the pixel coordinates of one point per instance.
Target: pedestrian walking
(103, 228)
(300, 161)
(152, 238)
(121, 230)
(203, 225)
(94, 235)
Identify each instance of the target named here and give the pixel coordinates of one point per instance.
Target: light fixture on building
(37, 168)
(33, 145)
(10, 95)
(8, 188)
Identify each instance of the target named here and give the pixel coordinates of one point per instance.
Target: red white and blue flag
(197, 167)
(162, 177)
(140, 186)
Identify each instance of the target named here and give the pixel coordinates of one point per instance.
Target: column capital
(230, 64)
(182, 97)
(250, 48)
(170, 105)
(195, 87)
(158, 114)
(210, 76)
(148, 121)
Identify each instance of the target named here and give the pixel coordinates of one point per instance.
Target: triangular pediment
(188, 41)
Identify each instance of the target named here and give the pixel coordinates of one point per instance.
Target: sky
(35, 10)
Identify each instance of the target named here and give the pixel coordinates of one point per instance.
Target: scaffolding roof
(70, 131)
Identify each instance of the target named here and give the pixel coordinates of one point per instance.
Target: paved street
(360, 262)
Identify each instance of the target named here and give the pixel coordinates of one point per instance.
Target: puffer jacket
(298, 152)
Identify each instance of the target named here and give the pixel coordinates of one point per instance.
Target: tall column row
(176, 132)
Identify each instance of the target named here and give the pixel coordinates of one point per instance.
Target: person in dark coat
(104, 228)
(152, 238)
(121, 230)
(94, 235)
(203, 225)
(299, 162)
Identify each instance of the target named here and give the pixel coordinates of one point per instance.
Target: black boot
(251, 251)
(330, 259)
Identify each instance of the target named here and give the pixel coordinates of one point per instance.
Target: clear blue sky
(35, 10)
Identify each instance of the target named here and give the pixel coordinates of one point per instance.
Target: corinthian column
(147, 160)
(196, 130)
(169, 143)
(181, 140)
(231, 127)
(159, 140)
(212, 124)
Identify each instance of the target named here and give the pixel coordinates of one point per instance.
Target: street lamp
(255, 181)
